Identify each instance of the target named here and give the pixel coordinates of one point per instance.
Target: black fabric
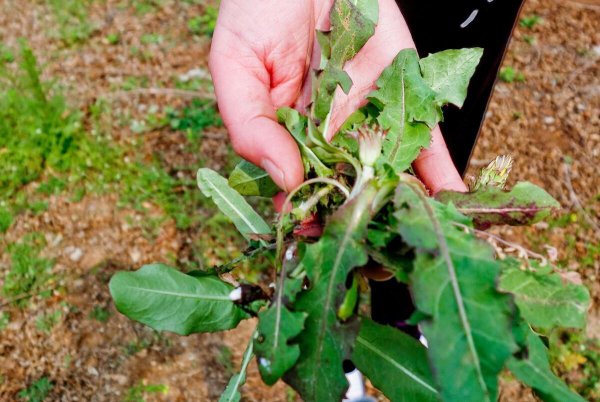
(436, 25)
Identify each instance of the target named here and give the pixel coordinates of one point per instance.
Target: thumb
(248, 112)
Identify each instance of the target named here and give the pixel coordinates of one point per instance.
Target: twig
(577, 72)
(25, 296)
(575, 199)
(522, 250)
(589, 4)
(228, 267)
(183, 93)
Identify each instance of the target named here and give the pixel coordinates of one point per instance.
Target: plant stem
(325, 180)
(229, 266)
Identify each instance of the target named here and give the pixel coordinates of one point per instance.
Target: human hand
(260, 58)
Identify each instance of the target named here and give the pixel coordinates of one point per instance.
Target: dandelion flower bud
(370, 141)
(495, 174)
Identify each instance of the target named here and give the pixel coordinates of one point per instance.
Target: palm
(261, 54)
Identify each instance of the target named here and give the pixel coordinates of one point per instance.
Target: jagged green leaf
(169, 300)
(231, 203)
(326, 342)
(232, 392)
(395, 362)
(276, 326)
(408, 110)
(454, 285)
(544, 300)
(534, 371)
(352, 24)
(448, 73)
(250, 180)
(525, 204)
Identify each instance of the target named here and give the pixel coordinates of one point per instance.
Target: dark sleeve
(441, 24)
(438, 25)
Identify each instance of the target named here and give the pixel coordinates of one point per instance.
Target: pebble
(74, 253)
(135, 255)
(548, 120)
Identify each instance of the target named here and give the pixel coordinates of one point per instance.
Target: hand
(260, 57)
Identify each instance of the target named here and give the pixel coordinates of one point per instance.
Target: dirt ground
(549, 122)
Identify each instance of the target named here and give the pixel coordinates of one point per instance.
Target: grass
(575, 357)
(100, 314)
(194, 118)
(204, 24)
(6, 219)
(28, 272)
(72, 19)
(139, 391)
(37, 392)
(4, 320)
(46, 322)
(530, 21)
(509, 75)
(225, 359)
(42, 140)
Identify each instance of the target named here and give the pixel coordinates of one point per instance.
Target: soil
(549, 123)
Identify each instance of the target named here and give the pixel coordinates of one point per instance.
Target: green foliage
(509, 75)
(100, 314)
(248, 179)
(6, 55)
(231, 203)
(28, 272)
(151, 39)
(144, 6)
(543, 299)
(37, 131)
(167, 299)
(232, 392)
(448, 73)
(340, 45)
(476, 321)
(37, 392)
(454, 285)
(535, 372)
(408, 109)
(530, 21)
(46, 322)
(395, 363)
(113, 38)
(277, 327)
(529, 39)
(139, 391)
(72, 18)
(204, 24)
(325, 341)
(492, 206)
(6, 219)
(577, 358)
(4, 320)
(194, 118)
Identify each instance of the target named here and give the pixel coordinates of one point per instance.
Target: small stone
(135, 255)
(93, 371)
(548, 120)
(76, 254)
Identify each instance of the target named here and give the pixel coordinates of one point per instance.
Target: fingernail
(275, 173)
